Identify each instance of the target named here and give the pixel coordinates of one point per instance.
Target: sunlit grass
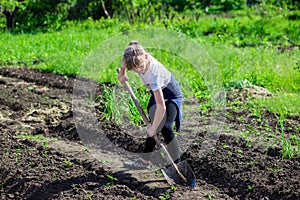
(259, 62)
(284, 103)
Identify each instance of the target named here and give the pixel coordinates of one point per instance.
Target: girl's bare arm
(159, 112)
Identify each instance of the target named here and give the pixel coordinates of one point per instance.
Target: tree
(10, 9)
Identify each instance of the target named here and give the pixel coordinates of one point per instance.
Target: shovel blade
(173, 178)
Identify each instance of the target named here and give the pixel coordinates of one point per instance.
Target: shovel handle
(135, 100)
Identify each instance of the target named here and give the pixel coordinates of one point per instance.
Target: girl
(166, 98)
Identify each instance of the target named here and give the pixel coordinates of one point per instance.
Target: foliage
(238, 84)
(248, 45)
(52, 14)
(288, 149)
(11, 4)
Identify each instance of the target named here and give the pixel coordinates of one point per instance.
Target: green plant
(159, 175)
(68, 163)
(89, 196)
(275, 170)
(248, 143)
(250, 187)
(112, 180)
(4, 182)
(86, 150)
(288, 149)
(210, 196)
(240, 151)
(31, 164)
(252, 163)
(17, 155)
(238, 84)
(54, 176)
(31, 88)
(108, 101)
(38, 138)
(174, 188)
(105, 161)
(165, 196)
(45, 154)
(117, 105)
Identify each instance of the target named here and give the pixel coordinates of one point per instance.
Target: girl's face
(140, 69)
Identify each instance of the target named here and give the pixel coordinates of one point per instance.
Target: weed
(4, 182)
(250, 187)
(86, 150)
(252, 163)
(197, 142)
(165, 196)
(162, 154)
(104, 161)
(117, 105)
(17, 155)
(68, 163)
(45, 154)
(240, 151)
(238, 84)
(89, 196)
(112, 180)
(275, 170)
(31, 88)
(288, 150)
(32, 164)
(108, 101)
(258, 134)
(249, 143)
(160, 175)
(38, 138)
(210, 196)
(45, 144)
(54, 176)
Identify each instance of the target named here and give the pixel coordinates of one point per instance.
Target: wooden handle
(135, 100)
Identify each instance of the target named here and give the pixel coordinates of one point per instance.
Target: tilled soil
(44, 157)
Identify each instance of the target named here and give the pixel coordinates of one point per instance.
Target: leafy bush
(52, 14)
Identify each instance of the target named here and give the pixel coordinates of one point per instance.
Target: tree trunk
(10, 18)
(104, 8)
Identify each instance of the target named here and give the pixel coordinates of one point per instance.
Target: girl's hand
(122, 77)
(151, 131)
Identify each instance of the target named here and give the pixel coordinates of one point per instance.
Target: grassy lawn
(243, 47)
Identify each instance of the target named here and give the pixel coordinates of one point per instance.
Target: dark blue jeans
(168, 134)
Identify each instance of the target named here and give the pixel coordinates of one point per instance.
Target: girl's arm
(159, 112)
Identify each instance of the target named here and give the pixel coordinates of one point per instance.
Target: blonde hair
(134, 55)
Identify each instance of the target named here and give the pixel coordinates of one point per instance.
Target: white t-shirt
(157, 75)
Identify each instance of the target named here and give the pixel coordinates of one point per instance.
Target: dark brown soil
(43, 157)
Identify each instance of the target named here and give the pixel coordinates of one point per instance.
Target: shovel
(180, 173)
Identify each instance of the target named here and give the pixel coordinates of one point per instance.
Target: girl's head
(134, 56)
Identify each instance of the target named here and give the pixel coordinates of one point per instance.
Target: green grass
(290, 146)
(62, 52)
(243, 47)
(284, 103)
